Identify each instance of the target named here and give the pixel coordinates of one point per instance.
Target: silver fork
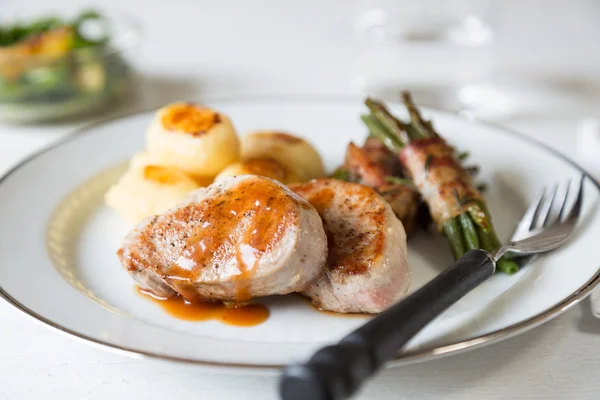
(336, 372)
(542, 213)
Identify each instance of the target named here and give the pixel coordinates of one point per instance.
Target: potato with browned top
(293, 152)
(263, 167)
(193, 138)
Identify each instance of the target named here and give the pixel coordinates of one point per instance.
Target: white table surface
(195, 49)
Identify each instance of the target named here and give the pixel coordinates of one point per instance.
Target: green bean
(480, 216)
(507, 266)
(494, 239)
(484, 239)
(489, 241)
(387, 120)
(379, 131)
(341, 174)
(469, 231)
(423, 128)
(396, 180)
(455, 237)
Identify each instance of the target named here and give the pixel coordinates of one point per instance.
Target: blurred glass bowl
(53, 75)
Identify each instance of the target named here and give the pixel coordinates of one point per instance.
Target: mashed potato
(148, 190)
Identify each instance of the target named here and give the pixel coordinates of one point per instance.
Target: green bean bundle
(435, 168)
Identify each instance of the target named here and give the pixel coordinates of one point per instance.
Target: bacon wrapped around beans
(437, 173)
(374, 165)
(435, 169)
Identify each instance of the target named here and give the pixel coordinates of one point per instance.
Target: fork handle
(335, 372)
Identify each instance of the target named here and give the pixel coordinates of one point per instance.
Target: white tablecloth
(199, 48)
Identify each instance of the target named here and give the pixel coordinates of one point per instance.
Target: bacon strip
(445, 185)
(370, 166)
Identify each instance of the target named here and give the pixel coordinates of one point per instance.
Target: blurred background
(497, 57)
(518, 62)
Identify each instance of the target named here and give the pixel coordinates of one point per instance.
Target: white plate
(58, 243)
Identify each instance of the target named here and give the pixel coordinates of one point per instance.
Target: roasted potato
(148, 190)
(193, 138)
(141, 159)
(291, 151)
(264, 167)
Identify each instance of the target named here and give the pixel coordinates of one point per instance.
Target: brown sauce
(244, 223)
(242, 315)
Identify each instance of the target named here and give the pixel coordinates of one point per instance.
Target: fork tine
(576, 209)
(546, 210)
(563, 206)
(537, 209)
(549, 238)
(528, 219)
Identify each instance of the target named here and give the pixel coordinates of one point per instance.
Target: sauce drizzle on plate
(243, 315)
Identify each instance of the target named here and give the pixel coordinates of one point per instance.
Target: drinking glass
(441, 50)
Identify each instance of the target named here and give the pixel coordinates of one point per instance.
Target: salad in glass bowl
(53, 67)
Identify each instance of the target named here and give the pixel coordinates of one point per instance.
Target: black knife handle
(336, 372)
